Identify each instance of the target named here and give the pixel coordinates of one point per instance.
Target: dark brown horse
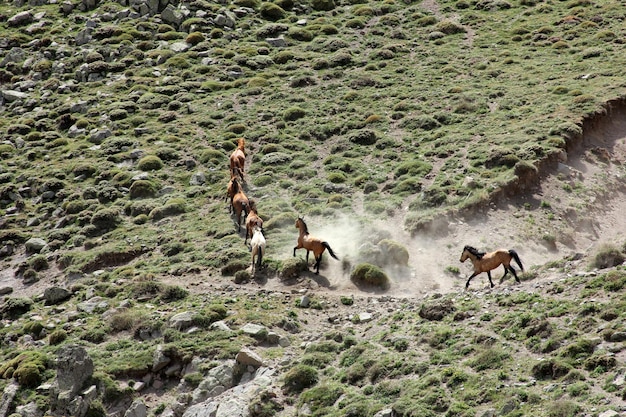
(310, 243)
(240, 204)
(252, 220)
(238, 159)
(485, 262)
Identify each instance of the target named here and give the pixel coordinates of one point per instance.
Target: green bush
(607, 256)
(12, 308)
(293, 113)
(292, 267)
(106, 219)
(150, 163)
(370, 275)
(299, 377)
(27, 368)
(271, 11)
(57, 337)
(142, 189)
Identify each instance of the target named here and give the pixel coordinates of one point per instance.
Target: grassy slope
(449, 90)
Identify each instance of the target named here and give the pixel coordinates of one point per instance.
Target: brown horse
(311, 243)
(230, 191)
(485, 262)
(238, 159)
(252, 220)
(240, 203)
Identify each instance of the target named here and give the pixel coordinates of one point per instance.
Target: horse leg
(490, 281)
(318, 261)
(514, 274)
(506, 270)
(468, 280)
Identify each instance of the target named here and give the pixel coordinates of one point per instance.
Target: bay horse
(240, 203)
(252, 220)
(257, 245)
(485, 262)
(238, 159)
(310, 243)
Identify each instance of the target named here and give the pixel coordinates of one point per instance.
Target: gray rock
(7, 398)
(197, 179)
(56, 295)
(74, 369)
(305, 301)
(159, 360)
(248, 358)
(35, 245)
(92, 305)
(181, 321)
(20, 19)
(255, 330)
(29, 410)
(12, 95)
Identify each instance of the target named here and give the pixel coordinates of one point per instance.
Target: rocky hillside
(400, 130)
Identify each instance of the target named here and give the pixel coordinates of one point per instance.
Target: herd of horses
(242, 207)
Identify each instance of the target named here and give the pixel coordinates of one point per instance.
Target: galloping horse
(311, 243)
(238, 159)
(257, 244)
(240, 203)
(253, 220)
(485, 262)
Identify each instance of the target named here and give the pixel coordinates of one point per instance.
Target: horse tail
(327, 246)
(259, 256)
(516, 257)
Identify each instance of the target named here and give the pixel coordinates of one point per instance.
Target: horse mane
(474, 251)
(241, 143)
(306, 229)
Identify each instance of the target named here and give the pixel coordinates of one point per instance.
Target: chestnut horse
(230, 191)
(252, 220)
(485, 262)
(311, 243)
(240, 203)
(238, 159)
(257, 245)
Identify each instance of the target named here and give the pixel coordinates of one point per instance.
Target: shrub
(363, 137)
(370, 275)
(106, 219)
(57, 337)
(27, 368)
(174, 293)
(12, 308)
(607, 256)
(33, 328)
(195, 38)
(142, 189)
(394, 252)
(171, 208)
(272, 11)
(293, 113)
(550, 369)
(323, 5)
(292, 267)
(299, 377)
(150, 163)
